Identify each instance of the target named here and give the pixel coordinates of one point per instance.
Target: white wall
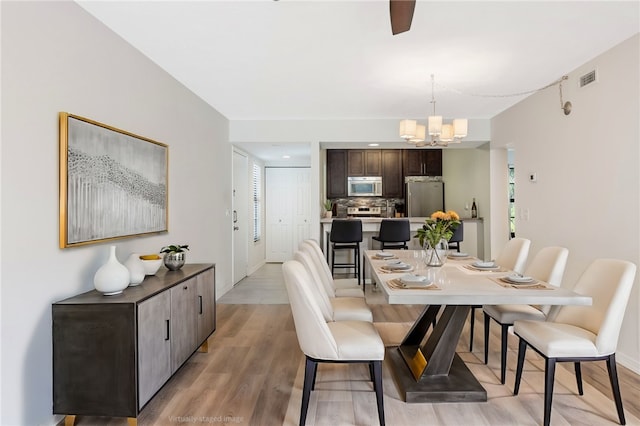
(587, 194)
(465, 173)
(56, 57)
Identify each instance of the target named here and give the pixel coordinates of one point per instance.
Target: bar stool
(457, 237)
(394, 233)
(346, 234)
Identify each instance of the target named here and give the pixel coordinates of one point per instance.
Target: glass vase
(436, 256)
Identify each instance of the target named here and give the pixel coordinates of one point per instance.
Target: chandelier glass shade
(439, 133)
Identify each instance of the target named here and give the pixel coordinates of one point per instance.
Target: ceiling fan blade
(401, 12)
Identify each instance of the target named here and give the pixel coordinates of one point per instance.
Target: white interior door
(287, 211)
(278, 215)
(302, 206)
(240, 216)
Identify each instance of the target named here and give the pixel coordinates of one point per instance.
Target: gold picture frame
(113, 183)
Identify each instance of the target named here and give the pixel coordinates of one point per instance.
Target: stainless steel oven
(365, 186)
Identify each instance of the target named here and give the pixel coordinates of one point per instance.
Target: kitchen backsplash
(388, 206)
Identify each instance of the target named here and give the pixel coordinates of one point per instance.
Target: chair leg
(309, 374)
(503, 352)
(522, 349)
(487, 323)
(576, 366)
(615, 386)
(333, 261)
(315, 374)
(377, 385)
(550, 371)
(357, 262)
(472, 322)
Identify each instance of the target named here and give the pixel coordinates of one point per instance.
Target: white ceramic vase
(136, 269)
(112, 277)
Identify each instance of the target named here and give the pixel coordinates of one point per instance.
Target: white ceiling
(302, 59)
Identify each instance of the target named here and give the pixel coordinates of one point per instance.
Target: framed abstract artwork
(113, 184)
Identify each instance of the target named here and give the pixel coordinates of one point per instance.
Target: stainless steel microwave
(365, 186)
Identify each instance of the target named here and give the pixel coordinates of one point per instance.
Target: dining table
(425, 366)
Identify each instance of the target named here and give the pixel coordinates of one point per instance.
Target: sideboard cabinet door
(183, 322)
(206, 290)
(154, 345)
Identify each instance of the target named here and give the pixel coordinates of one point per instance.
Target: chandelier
(439, 134)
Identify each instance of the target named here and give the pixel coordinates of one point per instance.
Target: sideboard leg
(132, 421)
(69, 420)
(204, 347)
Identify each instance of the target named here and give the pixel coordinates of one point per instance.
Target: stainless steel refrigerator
(424, 196)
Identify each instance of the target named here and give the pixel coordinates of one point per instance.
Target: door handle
(235, 216)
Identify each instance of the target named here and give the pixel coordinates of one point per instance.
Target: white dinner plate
(399, 266)
(393, 262)
(412, 279)
(515, 279)
(485, 265)
(384, 254)
(456, 254)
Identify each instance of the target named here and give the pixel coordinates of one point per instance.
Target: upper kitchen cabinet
(336, 173)
(392, 181)
(364, 162)
(422, 162)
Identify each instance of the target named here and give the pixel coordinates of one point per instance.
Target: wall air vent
(588, 78)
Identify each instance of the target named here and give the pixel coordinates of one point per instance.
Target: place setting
(484, 266)
(384, 255)
(412, 282)
(454, 255)
(395, 266)
(522, 282)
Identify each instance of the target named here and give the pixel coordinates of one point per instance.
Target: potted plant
(174, 256)
(328, 207)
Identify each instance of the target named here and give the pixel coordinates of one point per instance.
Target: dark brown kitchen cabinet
(336, 173)
(422, 162)
(392, 181)
(364, 162)
(111, 354)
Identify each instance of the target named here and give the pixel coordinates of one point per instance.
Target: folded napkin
(397, 284)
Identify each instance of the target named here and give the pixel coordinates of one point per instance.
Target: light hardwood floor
(253, 372)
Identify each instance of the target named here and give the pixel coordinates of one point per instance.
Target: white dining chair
(332, 342)
(512, 257)
(548, 265)
(336, 286)
(333, 308)
(582, 333)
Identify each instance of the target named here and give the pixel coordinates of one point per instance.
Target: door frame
(236, 193)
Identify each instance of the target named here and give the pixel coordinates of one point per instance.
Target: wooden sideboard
(111, 354)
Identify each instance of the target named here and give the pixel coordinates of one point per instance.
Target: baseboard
(629, 362)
